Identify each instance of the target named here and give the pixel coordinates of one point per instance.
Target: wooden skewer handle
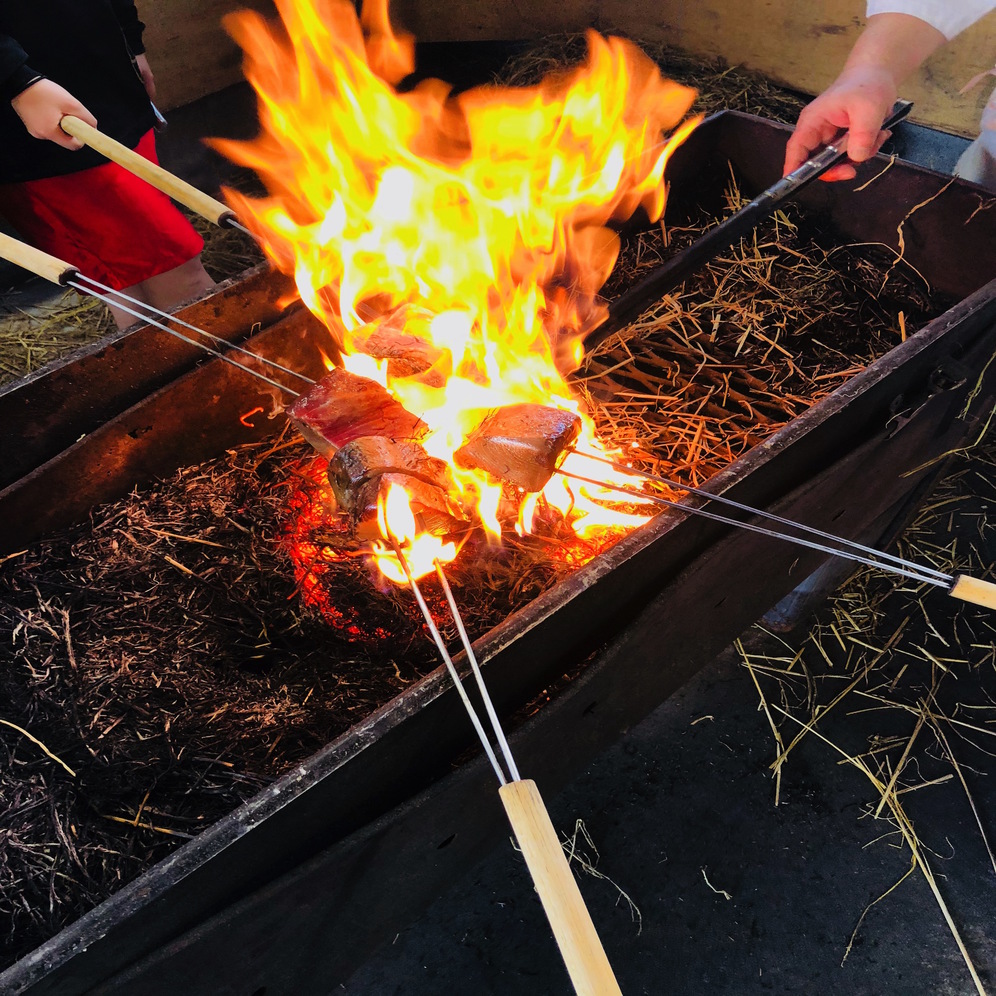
(173, 186)
(38, 262)
(575, 934)
(973, 590)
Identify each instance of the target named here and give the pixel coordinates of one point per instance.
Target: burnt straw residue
(159, 663)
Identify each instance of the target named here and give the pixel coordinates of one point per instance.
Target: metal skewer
(573, 929)
(957, 585)
(64, 274)
(770, 516)
(155, 316)
(454, 674)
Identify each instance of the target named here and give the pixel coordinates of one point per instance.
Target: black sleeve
(15, 73)
(127, 15)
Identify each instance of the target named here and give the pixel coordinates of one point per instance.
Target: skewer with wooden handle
(58, 271)
(575, 934)
(630, 305)
(960, 586)
(582, 951)
(187, 194)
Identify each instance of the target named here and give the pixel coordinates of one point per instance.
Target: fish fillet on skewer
(342, 407)
(521, 444)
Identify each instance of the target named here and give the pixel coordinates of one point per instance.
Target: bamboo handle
(575, 934)
(173, 186)
(38, 262)
(973, 590)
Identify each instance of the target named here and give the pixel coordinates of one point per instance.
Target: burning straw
(165, 655)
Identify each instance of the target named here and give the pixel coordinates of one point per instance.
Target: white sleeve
(950, 17)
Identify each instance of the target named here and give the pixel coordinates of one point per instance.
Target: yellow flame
(491, 210)
(421, 550)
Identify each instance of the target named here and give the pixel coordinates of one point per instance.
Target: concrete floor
(735, 895)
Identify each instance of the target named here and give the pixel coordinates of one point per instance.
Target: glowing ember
(455, 245)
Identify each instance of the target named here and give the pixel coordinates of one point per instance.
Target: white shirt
(950, 17)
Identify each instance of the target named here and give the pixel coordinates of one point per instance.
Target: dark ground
(738, 895)
(687, 796)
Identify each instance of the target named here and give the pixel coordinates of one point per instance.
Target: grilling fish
(397, 339)
(521, 444)
(342, 407)
(432, 506)
(361, 460)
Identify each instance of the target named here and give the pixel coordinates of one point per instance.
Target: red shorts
(108, 223)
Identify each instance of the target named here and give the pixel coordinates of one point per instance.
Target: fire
(482, 220)
(421, 550)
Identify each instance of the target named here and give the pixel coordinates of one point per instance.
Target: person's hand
(43, 105)
(148, 80)
(858, 101)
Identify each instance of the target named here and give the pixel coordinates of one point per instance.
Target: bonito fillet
(369, 457)
(343, 406)
(521, 444)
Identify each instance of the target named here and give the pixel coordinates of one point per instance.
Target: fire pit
(292, 889)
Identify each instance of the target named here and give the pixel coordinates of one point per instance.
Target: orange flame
(489, 211)
(421, 550)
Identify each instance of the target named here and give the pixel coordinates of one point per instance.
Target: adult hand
(858, 102)
(149, 81)
(890, 48)
(43, 105)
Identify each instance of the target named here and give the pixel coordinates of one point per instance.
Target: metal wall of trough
(291, 891)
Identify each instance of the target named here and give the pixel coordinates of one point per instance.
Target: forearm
(891, 47)
(894, 44)
(14, 70)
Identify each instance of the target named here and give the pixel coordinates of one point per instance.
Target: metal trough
(293, 890)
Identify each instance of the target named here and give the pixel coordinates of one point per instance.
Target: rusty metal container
(291, 891)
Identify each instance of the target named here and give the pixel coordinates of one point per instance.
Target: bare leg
(187, 281)
(122, 318)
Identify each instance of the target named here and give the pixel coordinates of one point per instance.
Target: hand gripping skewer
(575, 934)
(958, 586)
(629, 306)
